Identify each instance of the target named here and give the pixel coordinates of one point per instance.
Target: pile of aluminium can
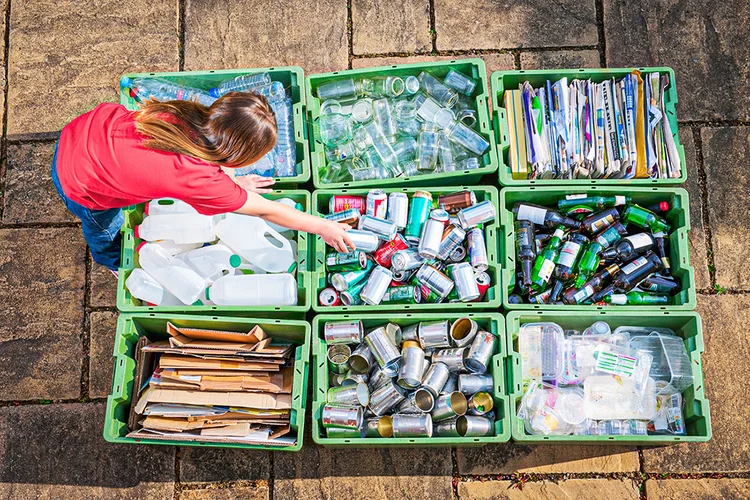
(423, 250)
(422, 380)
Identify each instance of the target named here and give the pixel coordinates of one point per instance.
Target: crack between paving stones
(349, 33)
(602, 47)
(177, 464)
(86, 330)
(433, 24)
(4, 141)
(456, 477)
(40, 225)
(703, 203)
(272, 473)
(181, 35)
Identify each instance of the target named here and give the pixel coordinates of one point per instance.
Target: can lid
(423, 194)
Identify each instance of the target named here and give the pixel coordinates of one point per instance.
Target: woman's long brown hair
(236, 130)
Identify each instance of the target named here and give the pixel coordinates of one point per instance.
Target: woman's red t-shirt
(102, 164)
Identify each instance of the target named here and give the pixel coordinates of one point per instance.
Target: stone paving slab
(102, 286)
(257, 492)
(310, 34)
(103, 328)
(474, 24)
(547, 490)
(30, 196)
(372, 473)
(697, 234)
(57, 451)
(725, 156)
(41, 289)
(726, 360)
(492, 62)
(705, 489)
(560, 59)
(67, 56)
(380, 26)
(207, 465)
(705, 43)
(510, 458)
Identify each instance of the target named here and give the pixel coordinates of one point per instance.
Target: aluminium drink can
(384, 229)
(350, 217)
(454, 202)
(477, 249)
(432, 235)
(419, 212)
(377, 204)
(339, 203)
(384, 254)
(398, 209)
(329, 297)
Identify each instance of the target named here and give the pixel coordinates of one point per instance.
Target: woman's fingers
(348, 242)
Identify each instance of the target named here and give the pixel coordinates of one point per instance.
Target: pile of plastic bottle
(601, 382)
(228, 260)
(387, 127)
(281, 161)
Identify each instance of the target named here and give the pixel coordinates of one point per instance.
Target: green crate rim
(299, 108)
(463, 177)
(513, 372)
(123, 363)
(508, 249)
(320, 370)
(492, 234)
(599, 74)
(304, 276)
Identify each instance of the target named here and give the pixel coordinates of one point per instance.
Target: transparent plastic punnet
(541, 349)
(671, 366)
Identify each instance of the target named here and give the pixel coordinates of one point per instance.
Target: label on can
(568, 254)
(640, 240)
(384, 254)
(477, 249)
(635, 265)
(377, 204)
(546, 271)
(339, 203)
(531, 213)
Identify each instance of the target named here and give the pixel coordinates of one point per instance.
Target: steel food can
(405, 425)
(377, 378)
(361, 359)
(329, 297)
(481, 403)
(480, 352)
(336, 379)
(434, 335)
(446, 428)
(419, 212)
(342, 417)
(338, 433)
(385, 352)
(384, 229)
(350, 217)
(432, 235)
(419, 401)
(398, 209)
(458, 255)
(412, 365)
(366, 241)
(436, 377)
(355, 378)
(477, 250)
(410, 332)
(338, 358)
(339, 203)
(483, 284)
(441, 216)
(351, 261)
(463, 331)
(471, 383)
(379, 427)
(348, 395)
(480, 213)
(473, 426)
(407, 294)
(451, 385)
(394, 333)
(449, 406)
(406, 260)
(343, 332)
(455, 202)
(377, 204)
(384, 254)
(454, 359)
(435, 280)
(385, 398)
(466, 284)
(377, 284)
(452, 238)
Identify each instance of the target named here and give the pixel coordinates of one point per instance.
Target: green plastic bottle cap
(235, 261)
(208, 294)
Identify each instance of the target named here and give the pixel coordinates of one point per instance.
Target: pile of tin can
(422, 380)
(408, 251)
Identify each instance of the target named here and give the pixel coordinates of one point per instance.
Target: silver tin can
(419, 401)
(366, 241)
(344, 417)
(377, 378)
(386, 354)
(432, 235)
(361, 359)
(406, 260)
(434, 334)
(481, 403)
(480, 352)
(338, 433)
(466, 283)
(453, 237)
(343, 332)
(477, 249)
(472, 426)
(451, 385)
(454, 359)
(471, 384)
(412, 365)
(435, 280)
(405, 425)
(379, 427)
(398, 209)
(385, 229)
(463, 331)
(435, 378)
(351, 395)
(449, 406)
(355, 378)
(336, 379)
(458, 255)
(394, 332)
(402, 276)
(338, 358)
(385, 398)
(446, 428)
(477, 214)
(377, 284)
(410, 332)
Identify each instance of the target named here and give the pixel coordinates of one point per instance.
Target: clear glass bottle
(405, 113)
(334, 129)
(381, 145)
(382, 86)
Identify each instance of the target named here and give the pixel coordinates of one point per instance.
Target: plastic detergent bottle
(253, 240)
(180, 228)
(254, 290)
(177, 248)
(163, 206)
(285, 231)
(212, 262)
(143, 287)
(171, 273)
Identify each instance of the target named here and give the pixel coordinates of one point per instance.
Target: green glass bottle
(575, 295)
(646, 219)
(567, 259)
(635, 298)
(611, 235)
(589, 262)
(572, 202)
(545, 262)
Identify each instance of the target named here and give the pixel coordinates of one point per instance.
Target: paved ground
(62, 57)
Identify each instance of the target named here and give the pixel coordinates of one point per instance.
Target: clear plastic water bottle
(160, 89)
(273, 91)
(252, 239)
(171, 273)
(286, 146)
(254, 290)
(163, 206)
(265, 167)
(180, 228)
(212, 262)
(241, 83)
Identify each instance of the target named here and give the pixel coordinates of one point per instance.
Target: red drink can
(383, 254)
(483, 283)
(339, 203)
(329, 297)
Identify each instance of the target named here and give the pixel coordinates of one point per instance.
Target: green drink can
(350, 296)
(408, 294)
(351, 261)
(419, 212)
(342, 281)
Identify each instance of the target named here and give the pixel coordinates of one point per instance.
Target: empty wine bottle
(542, 216)
(636, 298)
(589, 263)
(629, 247)
(600, 220)
(660, 285)
(644, 218)
(660, 242)
(567, 259)
(525, 248)
(572, 201)
(636, 270)
(575, 295)
(557, 288)
(545, 262)
(598, 296)
(611, 235)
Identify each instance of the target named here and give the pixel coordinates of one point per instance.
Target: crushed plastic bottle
(161, 89)
(241, 83)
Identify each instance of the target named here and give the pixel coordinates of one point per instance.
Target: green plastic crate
(129, 261)
(505, 80)
(291, 76)
(491, 299)
(491, 322)
(130, 327)
(687, 325)
(678, 218)
(470, 67)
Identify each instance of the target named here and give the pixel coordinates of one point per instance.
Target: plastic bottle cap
(235, 260)
(138, 248)
(137, 231)
(214, 92)
(208, 294)
(126, 82)
(664, 206)
(132, 93)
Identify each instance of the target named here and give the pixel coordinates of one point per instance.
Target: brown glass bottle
(600, 220)
(574, 296)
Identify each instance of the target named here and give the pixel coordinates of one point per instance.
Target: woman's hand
(334, 233)
(255, 183)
